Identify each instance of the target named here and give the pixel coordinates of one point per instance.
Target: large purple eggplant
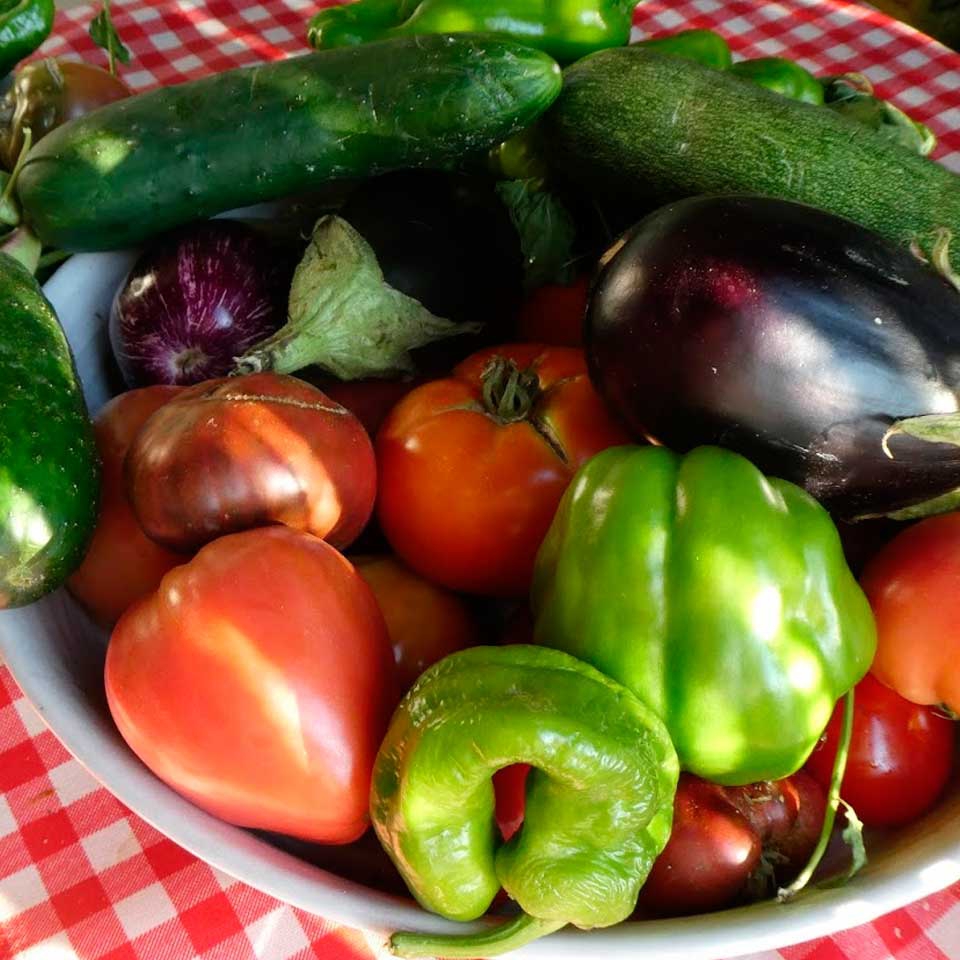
(788, 334)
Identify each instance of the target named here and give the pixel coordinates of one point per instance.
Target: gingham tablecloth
(81, 876)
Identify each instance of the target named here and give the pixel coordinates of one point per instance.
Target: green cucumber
(49, 468)
(647, 129)
(154, 161)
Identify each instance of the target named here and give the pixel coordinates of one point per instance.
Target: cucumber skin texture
(650, 129)
(49, 466)
(159, 159)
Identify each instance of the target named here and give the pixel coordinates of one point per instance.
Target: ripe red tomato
(554, 314)
(901, 756)
(121, 564)
(425, 622)
(258, 681)
(912, 587)
(472, 467)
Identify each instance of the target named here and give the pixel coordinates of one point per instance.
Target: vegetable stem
(509, 393)
(833, 802)
(508, 936)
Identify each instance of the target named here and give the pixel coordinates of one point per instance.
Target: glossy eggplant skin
(790, 335)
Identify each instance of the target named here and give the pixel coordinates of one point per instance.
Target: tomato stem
(490, 943)
(509, 393)
(833, 802)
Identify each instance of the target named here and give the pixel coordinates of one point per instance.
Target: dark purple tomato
(788, 334)
(196, 300)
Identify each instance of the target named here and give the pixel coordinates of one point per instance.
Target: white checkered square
(277, 936)
(165, 40)
(950, 119)
(914, 96)
(57, 947)
(31, 720)
(737, 25)
(807, 32)
(71, 782)
(211, 28)
(190, 62)
(876, 37)
(144, 14)
(138, 79)
(21, 891)
(8, 823)
(111, 845)
(232, 46)
(945, 932)
(144, 910)
(277, 35)
(949, 80)
(300, 5)
(669, 19)
(913, 59)
(769, 47)
(254, 14)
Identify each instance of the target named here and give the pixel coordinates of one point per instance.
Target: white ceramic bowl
(56, 655)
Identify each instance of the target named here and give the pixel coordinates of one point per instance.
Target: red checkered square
(80, 901)
(47, 835)
(210, 922)
(97, 935)
(20, 764)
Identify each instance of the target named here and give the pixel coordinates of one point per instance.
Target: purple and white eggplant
(195, 301)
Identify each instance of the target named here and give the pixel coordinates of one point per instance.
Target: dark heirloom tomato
(258, 682)
(472, 467)
(242, 452)
(726, 842)
(121, 564)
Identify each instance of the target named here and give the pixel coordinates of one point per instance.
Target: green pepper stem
(491, 943)
(7, 194)
(833, 802)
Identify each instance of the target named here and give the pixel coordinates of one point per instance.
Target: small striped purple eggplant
(795, 337)
(195, 300)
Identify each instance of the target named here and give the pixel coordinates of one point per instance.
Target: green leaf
(104, 34)
(933, 428)
(852, 835)
(546, 230)
(344, 317)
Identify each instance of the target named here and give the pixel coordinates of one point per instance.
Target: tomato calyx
(509, 393)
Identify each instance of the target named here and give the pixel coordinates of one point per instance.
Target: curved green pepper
(24, 25)
(599, 804)
(720, 597)
(781, 76)
(703, 46)
(565, 29)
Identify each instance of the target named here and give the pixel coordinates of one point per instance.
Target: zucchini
(49, 468)
(648, 129)
(159, 159)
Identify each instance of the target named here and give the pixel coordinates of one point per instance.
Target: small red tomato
(121, 564)
(425, 622)
(554, 314)
(901, 755)
(241, 452)
(912, 587)
(258, 682)
(472, 467)
(368, 400)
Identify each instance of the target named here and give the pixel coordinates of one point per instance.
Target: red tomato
(121, 564)
(258, 681)
(510, 791)
(912, 587)
(472, 467)
(901, 755)
(368, 400)
(554, 314)
(425, 622)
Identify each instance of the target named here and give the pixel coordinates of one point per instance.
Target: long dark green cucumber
(159, 159)
(49, 469)
(647, 129)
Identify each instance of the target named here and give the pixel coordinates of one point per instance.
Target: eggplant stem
(491, 943)
(833, 802)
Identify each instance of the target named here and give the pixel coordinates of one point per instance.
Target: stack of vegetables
(572, 510)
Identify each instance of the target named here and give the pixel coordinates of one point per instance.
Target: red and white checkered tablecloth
(83, 877)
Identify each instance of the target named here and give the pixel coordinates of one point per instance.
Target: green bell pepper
(781, 76)
(720, 597)
(24, 25)
(702, 46)
(565, 29)
(599, 803)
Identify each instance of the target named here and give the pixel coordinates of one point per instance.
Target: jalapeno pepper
(782, 76)
(566, 29)
(599, 803)
(703, 46)
(24, 25)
